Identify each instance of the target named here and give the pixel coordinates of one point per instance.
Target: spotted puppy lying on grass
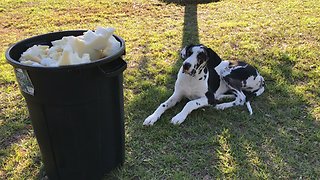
(204, 78)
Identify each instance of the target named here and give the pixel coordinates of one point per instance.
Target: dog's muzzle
(186, 67)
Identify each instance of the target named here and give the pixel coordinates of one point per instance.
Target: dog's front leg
(176, 97)
(188, 108)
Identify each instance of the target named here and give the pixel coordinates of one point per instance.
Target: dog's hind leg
(173, 100)
(240, 100)
(188, 108)
(249, 107)
(260, 91)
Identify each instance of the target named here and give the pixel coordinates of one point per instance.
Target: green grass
(280, 37)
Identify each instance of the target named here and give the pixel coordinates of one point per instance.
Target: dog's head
(196, 58)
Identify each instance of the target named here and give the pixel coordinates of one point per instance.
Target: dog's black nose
(186, 66)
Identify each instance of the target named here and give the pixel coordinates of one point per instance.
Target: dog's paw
(149, 121)
(220, 107)
(178, 119)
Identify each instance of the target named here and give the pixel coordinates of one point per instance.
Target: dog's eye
(201, 57)
(188, 53)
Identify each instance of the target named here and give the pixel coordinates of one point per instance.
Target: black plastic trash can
(76, 111)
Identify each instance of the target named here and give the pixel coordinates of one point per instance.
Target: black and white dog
(204, 78)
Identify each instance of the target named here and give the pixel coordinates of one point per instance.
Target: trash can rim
(107, 59)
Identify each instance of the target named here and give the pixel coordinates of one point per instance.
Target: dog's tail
(249, 107)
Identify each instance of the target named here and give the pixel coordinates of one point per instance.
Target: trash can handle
(110, 72)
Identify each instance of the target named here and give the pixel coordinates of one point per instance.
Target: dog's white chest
(191, 87)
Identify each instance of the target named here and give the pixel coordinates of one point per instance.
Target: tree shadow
(190, 25)
(188, 2)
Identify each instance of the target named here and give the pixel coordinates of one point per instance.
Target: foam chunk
(112, 48)
(35, 53)
(91, 46)
(105, 32)
(31, 63)
(65, 57)
(49, 62)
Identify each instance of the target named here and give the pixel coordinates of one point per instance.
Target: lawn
(281, 140)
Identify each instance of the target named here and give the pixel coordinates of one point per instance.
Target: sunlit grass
(280, 38)
(227, 164)
(24, 159)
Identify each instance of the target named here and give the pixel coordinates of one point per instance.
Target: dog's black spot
(244, 83)
(242, 71)
(200, 78)
(201, 57)
(193, 72)
(198, 104)
(205, 76)
(163, 105)
(262, 83)
(233, 104)
(200, 70)
(210, 97)
(205, 70)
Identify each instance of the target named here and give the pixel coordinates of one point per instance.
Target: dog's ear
(214, 58)
(184, 51)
